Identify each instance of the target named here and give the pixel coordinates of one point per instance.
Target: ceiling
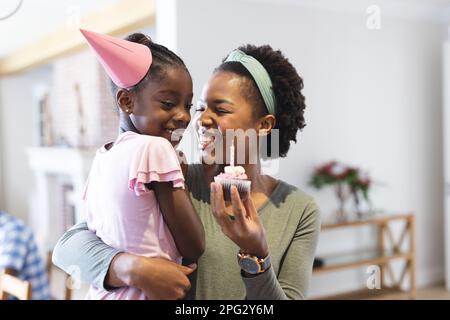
(36, 18)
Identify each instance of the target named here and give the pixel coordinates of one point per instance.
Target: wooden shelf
(387, 249)
(378, 219)
(359, 259)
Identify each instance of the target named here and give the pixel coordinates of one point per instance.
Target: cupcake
(234, 175)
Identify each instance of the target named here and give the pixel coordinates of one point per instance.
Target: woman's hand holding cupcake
(243, 226)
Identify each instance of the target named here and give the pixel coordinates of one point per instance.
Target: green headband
(259, 74)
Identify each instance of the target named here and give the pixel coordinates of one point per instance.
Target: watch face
(249, 265)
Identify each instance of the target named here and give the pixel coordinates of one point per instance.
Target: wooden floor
(436, 292)
(433, 293)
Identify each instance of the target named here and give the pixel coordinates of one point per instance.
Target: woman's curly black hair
(287, 86)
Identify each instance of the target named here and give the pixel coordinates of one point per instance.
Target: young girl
(135, 195)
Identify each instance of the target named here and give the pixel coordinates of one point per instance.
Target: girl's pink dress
(122, 211)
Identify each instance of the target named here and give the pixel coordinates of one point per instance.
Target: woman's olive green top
(291, 220)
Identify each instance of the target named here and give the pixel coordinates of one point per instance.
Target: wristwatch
(252, 264)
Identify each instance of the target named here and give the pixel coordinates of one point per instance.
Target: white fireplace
(56, 199)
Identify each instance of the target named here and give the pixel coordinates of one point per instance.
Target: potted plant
(347, 181)
(359, 183)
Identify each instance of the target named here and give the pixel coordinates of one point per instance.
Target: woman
(273, 232)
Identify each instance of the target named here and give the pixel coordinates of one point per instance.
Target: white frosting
(237, 170)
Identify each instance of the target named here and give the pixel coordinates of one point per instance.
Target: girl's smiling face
(161, 106)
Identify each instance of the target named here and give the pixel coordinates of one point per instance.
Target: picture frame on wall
(44, 135)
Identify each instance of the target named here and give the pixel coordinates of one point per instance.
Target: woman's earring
(128, 111)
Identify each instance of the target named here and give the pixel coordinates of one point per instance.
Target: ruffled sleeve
(154, 160)
(85, 190)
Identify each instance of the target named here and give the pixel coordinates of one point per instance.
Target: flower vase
(357, 204)
(342, 195)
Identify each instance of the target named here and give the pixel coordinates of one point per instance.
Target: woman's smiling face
(222, 106)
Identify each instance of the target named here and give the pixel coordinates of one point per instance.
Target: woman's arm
(80, 251)
(295, 270)
(182, 219)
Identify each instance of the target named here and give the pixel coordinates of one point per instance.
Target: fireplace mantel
(60, 160)
(50, 166)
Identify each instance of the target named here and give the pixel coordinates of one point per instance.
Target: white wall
(2, 198)
(16, 134)
(373, 100)
(446, 131)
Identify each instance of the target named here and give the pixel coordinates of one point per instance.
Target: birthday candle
(232, 154)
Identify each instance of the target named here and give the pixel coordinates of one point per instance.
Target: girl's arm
(156, 166)
(181, 218)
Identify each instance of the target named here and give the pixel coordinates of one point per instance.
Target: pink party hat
(124, 61)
